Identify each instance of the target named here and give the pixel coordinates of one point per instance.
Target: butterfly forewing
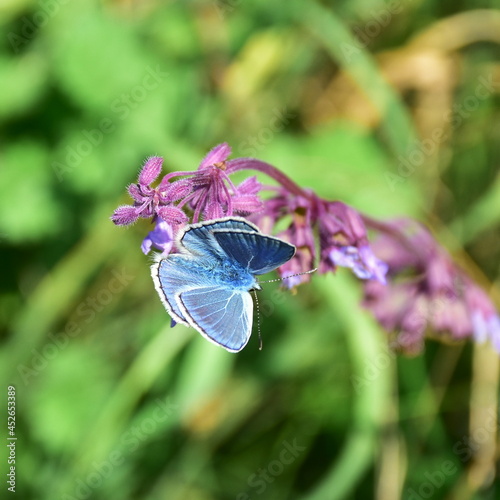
(256, 252)
(199, 239)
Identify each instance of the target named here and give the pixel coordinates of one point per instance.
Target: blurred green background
(340, 95)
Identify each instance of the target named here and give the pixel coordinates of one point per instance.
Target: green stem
(366, 344)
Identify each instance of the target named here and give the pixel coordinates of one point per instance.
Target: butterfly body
(220, 272)
(206, 285)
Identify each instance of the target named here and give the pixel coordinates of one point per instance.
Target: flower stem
(266, 168)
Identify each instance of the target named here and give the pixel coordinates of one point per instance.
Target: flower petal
(249, 186)
(362, 261)
(176, 190)
(494, 330)
(213, 211)
(479, 327)
(218, 154)
(125, 215)
(135, 192)
(290, 271)
(350, 222)
(377, 267)
(172, 215)
(247, 204)
(151, 170)
(161, 238)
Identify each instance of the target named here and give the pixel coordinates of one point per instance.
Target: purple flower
(484, 318)
(148, 201)
(342, 235)
(361, 260)
(344, 242)
(245, 200)
(217, 155)
(161, 237)
(207, 193)
(299, 233)
(214, 194)
(291, 271)
(427, 292)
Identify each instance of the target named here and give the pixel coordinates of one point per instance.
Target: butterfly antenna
(291, 276)
(258, 318)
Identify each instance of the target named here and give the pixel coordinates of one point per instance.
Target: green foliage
(112, 403)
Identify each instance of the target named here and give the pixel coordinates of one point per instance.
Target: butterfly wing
(172, 276)
(222, 315)
(199, 239)
(254, 251)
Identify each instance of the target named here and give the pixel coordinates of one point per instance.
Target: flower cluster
(411, 284)
(427, 292)
(207, 193)
(340, 229)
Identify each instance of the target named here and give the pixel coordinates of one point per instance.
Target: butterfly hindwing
(222, 315)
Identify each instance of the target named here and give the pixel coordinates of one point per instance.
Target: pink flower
(148, 201)
(427, 291)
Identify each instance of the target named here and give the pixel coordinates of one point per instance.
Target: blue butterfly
(207, 285)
